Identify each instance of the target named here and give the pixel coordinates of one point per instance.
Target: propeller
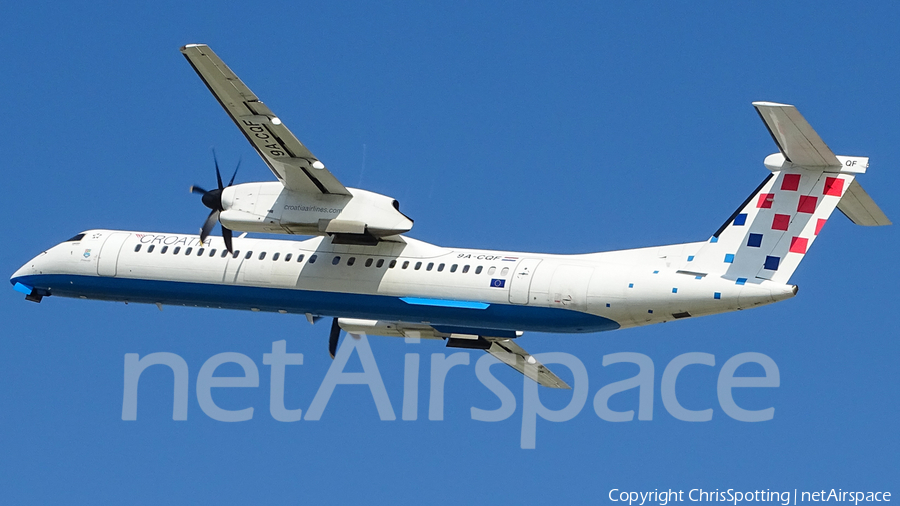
(213, 200)
(333, 337)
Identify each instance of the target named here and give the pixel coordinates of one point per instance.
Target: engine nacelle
(271, 208)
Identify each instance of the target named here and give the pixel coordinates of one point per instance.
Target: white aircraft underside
(370, 279)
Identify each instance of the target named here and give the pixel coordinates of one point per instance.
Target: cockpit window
(75, 238)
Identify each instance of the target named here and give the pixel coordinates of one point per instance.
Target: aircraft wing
(503, 348)
(514, 356)
(294, 165)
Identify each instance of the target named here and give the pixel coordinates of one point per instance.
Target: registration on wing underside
(293, 164)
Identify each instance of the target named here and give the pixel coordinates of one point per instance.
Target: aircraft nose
(20, 273)
(29, 269)
(17, 279)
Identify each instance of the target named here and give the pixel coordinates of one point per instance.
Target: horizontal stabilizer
(798, 142)
(514, 356)
(857, 205)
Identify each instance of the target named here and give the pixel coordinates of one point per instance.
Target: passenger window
(312, 258)
(368, 262)
(248, 255)
(150, 248)
(137, 248)
(165, 248)
(275, 256)
(430, 266)
(335, 260)
(176, 250)
(465, 269)
(287, 258)
(212, 252)
(492, 270)
(418, 265)
(188, 251)
(351, 260)
(300, 258)
(262, 255)
(453, 268)
(224, 253)
(440, 267)
(406, 264)
(505, 271)
(478, 270)
(380, 263)
(236, 253)
(200, 252)
(392, 264)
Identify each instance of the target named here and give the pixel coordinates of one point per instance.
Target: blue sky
(515, 126)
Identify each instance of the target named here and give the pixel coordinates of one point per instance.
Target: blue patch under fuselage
(344, 305)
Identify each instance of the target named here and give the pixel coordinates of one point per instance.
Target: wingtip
(186, 46)
(770, 104)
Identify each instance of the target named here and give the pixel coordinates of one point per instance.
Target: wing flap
(857, 205)
(291, 162)
(796, 139)
(514, 356)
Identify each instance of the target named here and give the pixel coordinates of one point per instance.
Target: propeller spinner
(213, 200)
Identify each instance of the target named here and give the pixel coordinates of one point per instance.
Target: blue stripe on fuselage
(445, 303)
(345, 305)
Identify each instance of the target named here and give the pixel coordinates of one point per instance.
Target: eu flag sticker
(498, 283)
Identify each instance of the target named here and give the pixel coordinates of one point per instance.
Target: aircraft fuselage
(403, 280)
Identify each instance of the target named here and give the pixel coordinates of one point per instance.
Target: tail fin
(769, 234)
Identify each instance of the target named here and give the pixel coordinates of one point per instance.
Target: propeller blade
(218, 175)
(235, 172)
(197, 189)
(226, 234)
(208, 225)
(333, 337)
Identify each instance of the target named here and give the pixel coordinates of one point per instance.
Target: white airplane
(360, 271)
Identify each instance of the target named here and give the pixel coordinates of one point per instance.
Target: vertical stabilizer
(771, 232)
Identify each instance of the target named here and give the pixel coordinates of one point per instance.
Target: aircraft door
(232, 267)
(109, 253)
(568, 287)
(521, 280)
(258, 268)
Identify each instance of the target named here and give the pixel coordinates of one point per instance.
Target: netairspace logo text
(785, 498)
(440, 364)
